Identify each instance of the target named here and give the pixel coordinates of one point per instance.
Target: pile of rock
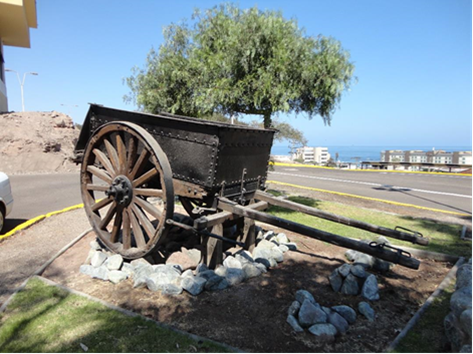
(354, 280)
(458, 322)
(173, 279)
(323, 322)
(370, 262)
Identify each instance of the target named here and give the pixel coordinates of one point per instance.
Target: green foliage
(234, 61)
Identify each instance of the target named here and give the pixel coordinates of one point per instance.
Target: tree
(234, 61)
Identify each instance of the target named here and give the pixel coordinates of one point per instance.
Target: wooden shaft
(341, 219)
(341, 241)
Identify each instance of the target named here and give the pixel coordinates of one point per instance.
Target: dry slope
(32, 142)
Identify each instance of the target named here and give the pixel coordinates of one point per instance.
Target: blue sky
(413, 61)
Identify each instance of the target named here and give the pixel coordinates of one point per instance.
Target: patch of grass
(44, 318)
(444, 238)
(428, 335)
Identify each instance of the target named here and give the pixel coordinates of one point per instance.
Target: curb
(412, 322)
(371, 170)
(37, 219)
(368, 198)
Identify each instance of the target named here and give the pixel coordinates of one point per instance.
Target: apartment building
(434, 156)
(16, 19)
(318, 155)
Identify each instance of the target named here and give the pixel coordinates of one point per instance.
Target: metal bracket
(400, 252)
(415, 233)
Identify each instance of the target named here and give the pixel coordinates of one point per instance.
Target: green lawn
(444, 238)
(45, 318)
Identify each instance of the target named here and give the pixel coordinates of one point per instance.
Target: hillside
(36, 142)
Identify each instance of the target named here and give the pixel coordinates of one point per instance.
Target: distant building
(318, 155)
(17, 17)
(434, 156)
(281, 158)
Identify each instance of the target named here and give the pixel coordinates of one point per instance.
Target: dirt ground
(37, 142)
(252, 315)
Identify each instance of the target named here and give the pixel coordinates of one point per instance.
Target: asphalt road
(444, 192)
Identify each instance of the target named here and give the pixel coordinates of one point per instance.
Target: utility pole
(22, 84)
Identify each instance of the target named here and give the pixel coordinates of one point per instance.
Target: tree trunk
(267, 119)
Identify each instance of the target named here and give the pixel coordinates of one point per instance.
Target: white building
(318, 155)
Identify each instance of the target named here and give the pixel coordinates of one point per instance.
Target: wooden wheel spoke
(137, 232)
(131, 158)
(100, 204)
(113, 155)
(97, 187)
(139, 164)
(144, 221)
(148, 207)
(104, 161)
(121, 154)
(145, 177)
(149, 192)
(104, 176)
(108, 217)
(116, 225)
(126, 232)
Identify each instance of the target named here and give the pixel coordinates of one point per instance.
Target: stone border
(134, 314)
(41, 269)
(412, 322)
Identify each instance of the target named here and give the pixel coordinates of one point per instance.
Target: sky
(413, 63)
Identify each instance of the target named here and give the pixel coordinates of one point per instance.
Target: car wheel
(2, 219)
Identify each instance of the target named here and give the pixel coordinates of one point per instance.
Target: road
(444, 192)
(40, 194)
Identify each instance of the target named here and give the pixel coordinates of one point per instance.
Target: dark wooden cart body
(217, 170)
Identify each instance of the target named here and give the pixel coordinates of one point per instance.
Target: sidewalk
(27, 250)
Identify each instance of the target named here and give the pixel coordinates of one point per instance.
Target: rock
(370, 288)
(201, 268)
(98, 259)
(460, 301)
(114, 262)
(277, 255)
(282, 238)
(283, 248)
(294, 324)
(183, 259)
(338, 321)
(364, 259)
(358, 271)
(232, 262)
(264, 245)
(193, 285)
(350, 255)
(268, 235)
(244, 257)
(216, 285)
(187, 273)
(310, 314)
(365, 309)
(291, 245)
(344, 270)
(171, 289)
(251, 271)
(86, 269)
(213, 280)
(464, 276)
(142, 271)
(293, 310)
(302, 295)
(346, 312)
(381, 240)
(455, 335)
(326, 310)
(465, 321)
(264, 262)
(95, 245)
(466, 348)
(99, 272)
(324, 331)
(128, 269)
(221, 270)
(336, 281)
(350, 285)
(261, 267)
(140, 261)
(139, 282)
(234, 276)
(89, 256)
(116, 276)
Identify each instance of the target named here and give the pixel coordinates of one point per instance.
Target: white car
(6, 198)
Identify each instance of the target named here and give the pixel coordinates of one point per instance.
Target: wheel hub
(121, 190)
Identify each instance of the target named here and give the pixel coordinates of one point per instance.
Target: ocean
(367, 153)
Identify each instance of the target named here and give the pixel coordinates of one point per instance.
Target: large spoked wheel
(126, 185)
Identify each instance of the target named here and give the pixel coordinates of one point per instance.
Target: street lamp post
(22, 83)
